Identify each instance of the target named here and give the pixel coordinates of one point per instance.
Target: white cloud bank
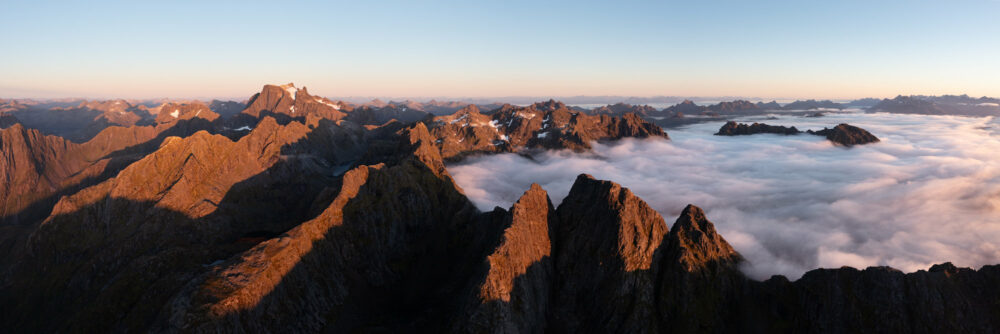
(928, 193)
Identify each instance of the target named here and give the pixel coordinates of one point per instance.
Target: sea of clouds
(928, 193)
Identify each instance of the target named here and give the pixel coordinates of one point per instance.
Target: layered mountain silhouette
(619, 109)
(309, 218)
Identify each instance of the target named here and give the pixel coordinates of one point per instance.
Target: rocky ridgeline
(547, 125)
(843, 134)
(328, 225)
(742, 129)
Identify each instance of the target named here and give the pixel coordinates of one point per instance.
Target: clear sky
(768, 49)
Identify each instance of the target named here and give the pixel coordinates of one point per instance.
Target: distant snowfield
(928, 193)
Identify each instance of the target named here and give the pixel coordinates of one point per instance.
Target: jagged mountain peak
(550, 105)
(695, 245)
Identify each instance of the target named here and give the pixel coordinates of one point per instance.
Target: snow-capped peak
(290, 88)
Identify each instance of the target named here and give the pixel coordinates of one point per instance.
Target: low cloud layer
(928, 193)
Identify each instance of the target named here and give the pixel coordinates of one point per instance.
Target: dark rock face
(843, 134)
(515, 294)
(226, 109)
(739, 129)
(847, 135)
(700, 279)
(607, 239)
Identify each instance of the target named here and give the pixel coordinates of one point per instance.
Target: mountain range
(297, 213)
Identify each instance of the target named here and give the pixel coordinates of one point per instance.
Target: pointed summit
(605, 246)
(695, 244)
(514, 296)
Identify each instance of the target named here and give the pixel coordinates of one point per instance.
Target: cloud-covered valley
(928, 193)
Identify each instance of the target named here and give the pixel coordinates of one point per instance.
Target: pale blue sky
(780, 49)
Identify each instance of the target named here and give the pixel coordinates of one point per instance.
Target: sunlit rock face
(544, 125)
(924, 194)
(324, 223)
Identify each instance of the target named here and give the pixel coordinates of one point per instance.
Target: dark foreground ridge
(843, 134)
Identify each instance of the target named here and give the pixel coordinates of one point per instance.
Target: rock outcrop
(739, 129)
(843, 134)
(847, 135)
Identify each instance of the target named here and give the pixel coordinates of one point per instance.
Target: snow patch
(291, 90)
(459, 119)
(176, 113)
(244, 128)
(334, 106)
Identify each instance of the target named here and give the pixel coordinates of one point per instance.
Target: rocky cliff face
(287, 102)
(40, 168)
(546, 125)
(606, 248)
